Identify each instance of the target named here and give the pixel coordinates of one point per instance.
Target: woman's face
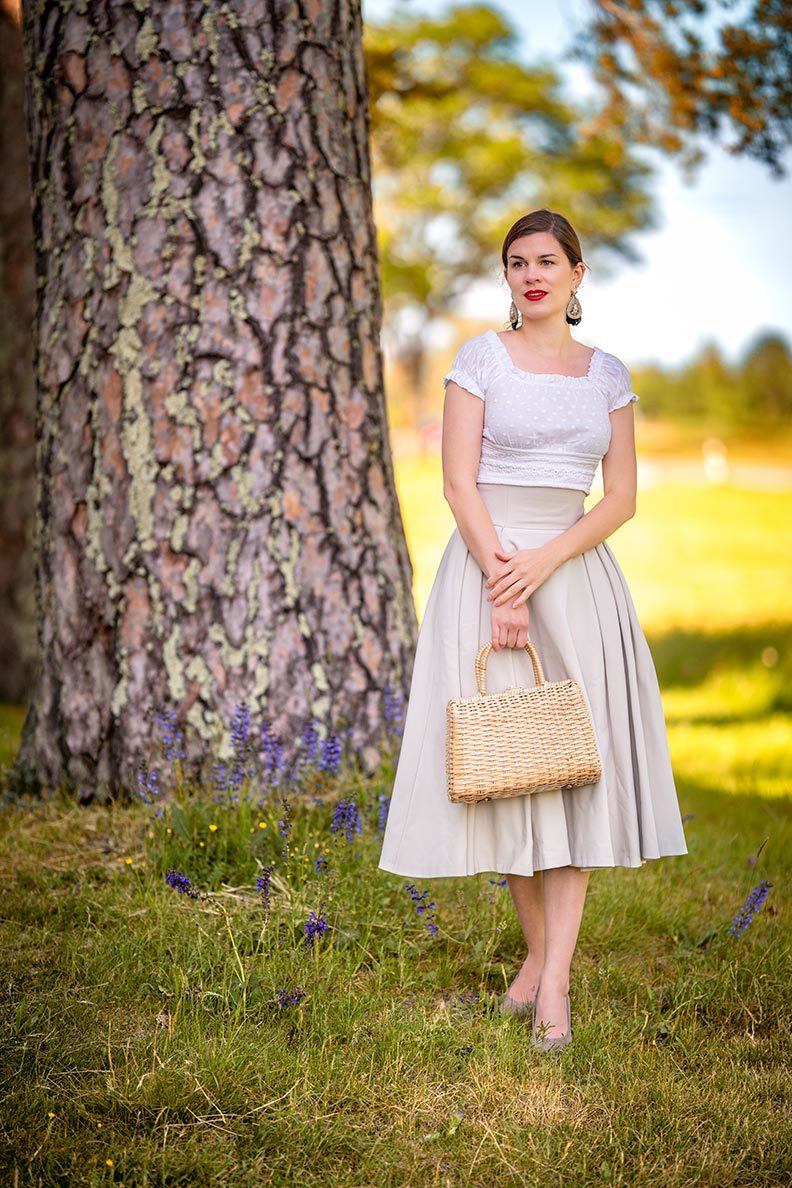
(537, 264)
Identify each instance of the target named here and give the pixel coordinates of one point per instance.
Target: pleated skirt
(584, 625)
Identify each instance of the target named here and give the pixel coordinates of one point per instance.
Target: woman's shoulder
(474, 346)
(469, 366)
(612, 377)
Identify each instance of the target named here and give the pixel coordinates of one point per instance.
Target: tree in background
(217, 517)
(755, 393)
(767, 379)
(465, 139)
(676, 72)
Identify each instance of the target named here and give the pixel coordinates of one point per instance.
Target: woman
(528, 415)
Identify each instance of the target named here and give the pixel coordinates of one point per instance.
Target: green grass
(143, 1027)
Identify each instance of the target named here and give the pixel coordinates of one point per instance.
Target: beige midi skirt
(584, 625)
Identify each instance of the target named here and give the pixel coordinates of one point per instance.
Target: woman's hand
(509, 627)
(522, 572)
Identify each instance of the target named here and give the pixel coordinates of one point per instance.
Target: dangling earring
(574, 310)
(513, 315)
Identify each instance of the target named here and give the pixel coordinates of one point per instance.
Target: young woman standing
(528, 415)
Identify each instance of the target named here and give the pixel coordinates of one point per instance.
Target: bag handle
(481, 665)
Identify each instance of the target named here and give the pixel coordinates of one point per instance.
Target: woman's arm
(619, 480)
(463, 425)
(526, 570)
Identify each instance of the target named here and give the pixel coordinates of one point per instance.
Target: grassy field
(153, 1036)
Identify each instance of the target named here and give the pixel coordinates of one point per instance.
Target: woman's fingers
(507, 593)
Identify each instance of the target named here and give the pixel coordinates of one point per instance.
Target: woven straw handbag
(527, 739)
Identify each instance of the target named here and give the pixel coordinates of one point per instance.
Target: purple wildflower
(273, 751)
(346, 816)
(285, 823)
(181, 883)
(263, 884)
(330, 759)
(314, 926)
(749, 909)
(421, 907)
(290, 997)
(172, 737)
(240, 735)
(219, 777)
(498, 882)
(308, 741)
(382, 811)
(240, 727)
(321, 864)
(148, 784)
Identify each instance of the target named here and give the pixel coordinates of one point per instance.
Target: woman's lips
(536, 294)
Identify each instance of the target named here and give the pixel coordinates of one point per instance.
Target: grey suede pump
(512, 1006)
(555, 1042)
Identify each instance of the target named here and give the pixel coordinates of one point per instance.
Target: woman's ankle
(555, 982)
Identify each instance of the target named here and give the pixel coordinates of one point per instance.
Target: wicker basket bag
(528, 739)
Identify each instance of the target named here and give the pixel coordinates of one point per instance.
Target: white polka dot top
(540, 430)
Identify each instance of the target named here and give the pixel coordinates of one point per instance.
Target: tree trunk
(413, 359)
(17, 391)
(218, 519)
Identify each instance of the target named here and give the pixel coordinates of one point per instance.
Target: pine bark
(17, 390)
(217, 516)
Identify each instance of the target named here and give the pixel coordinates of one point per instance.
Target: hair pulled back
(545, 220)
(557, 225)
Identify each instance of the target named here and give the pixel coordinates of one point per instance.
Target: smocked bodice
(540, 430)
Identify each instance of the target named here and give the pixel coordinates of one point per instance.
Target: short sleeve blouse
(540, 430)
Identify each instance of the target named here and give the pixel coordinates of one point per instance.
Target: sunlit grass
(694, 556)
(142, 1039)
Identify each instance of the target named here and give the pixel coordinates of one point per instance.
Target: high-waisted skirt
(583, 624)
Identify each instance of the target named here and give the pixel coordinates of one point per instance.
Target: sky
(718, 267)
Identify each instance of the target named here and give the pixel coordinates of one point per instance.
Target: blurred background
(689, 283)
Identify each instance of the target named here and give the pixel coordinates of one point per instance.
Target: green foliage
(465, 139)
(755, 393)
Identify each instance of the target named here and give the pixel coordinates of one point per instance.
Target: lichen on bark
(219, 516)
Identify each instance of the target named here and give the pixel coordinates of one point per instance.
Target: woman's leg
(526, 891)
(564, 897)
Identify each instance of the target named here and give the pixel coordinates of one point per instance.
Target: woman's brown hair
(545, 220)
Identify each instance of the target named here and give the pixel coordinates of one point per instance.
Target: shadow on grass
(687, 658)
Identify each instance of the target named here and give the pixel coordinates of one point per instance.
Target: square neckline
(543, 374)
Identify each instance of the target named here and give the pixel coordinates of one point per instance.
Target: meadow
(219, 987)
